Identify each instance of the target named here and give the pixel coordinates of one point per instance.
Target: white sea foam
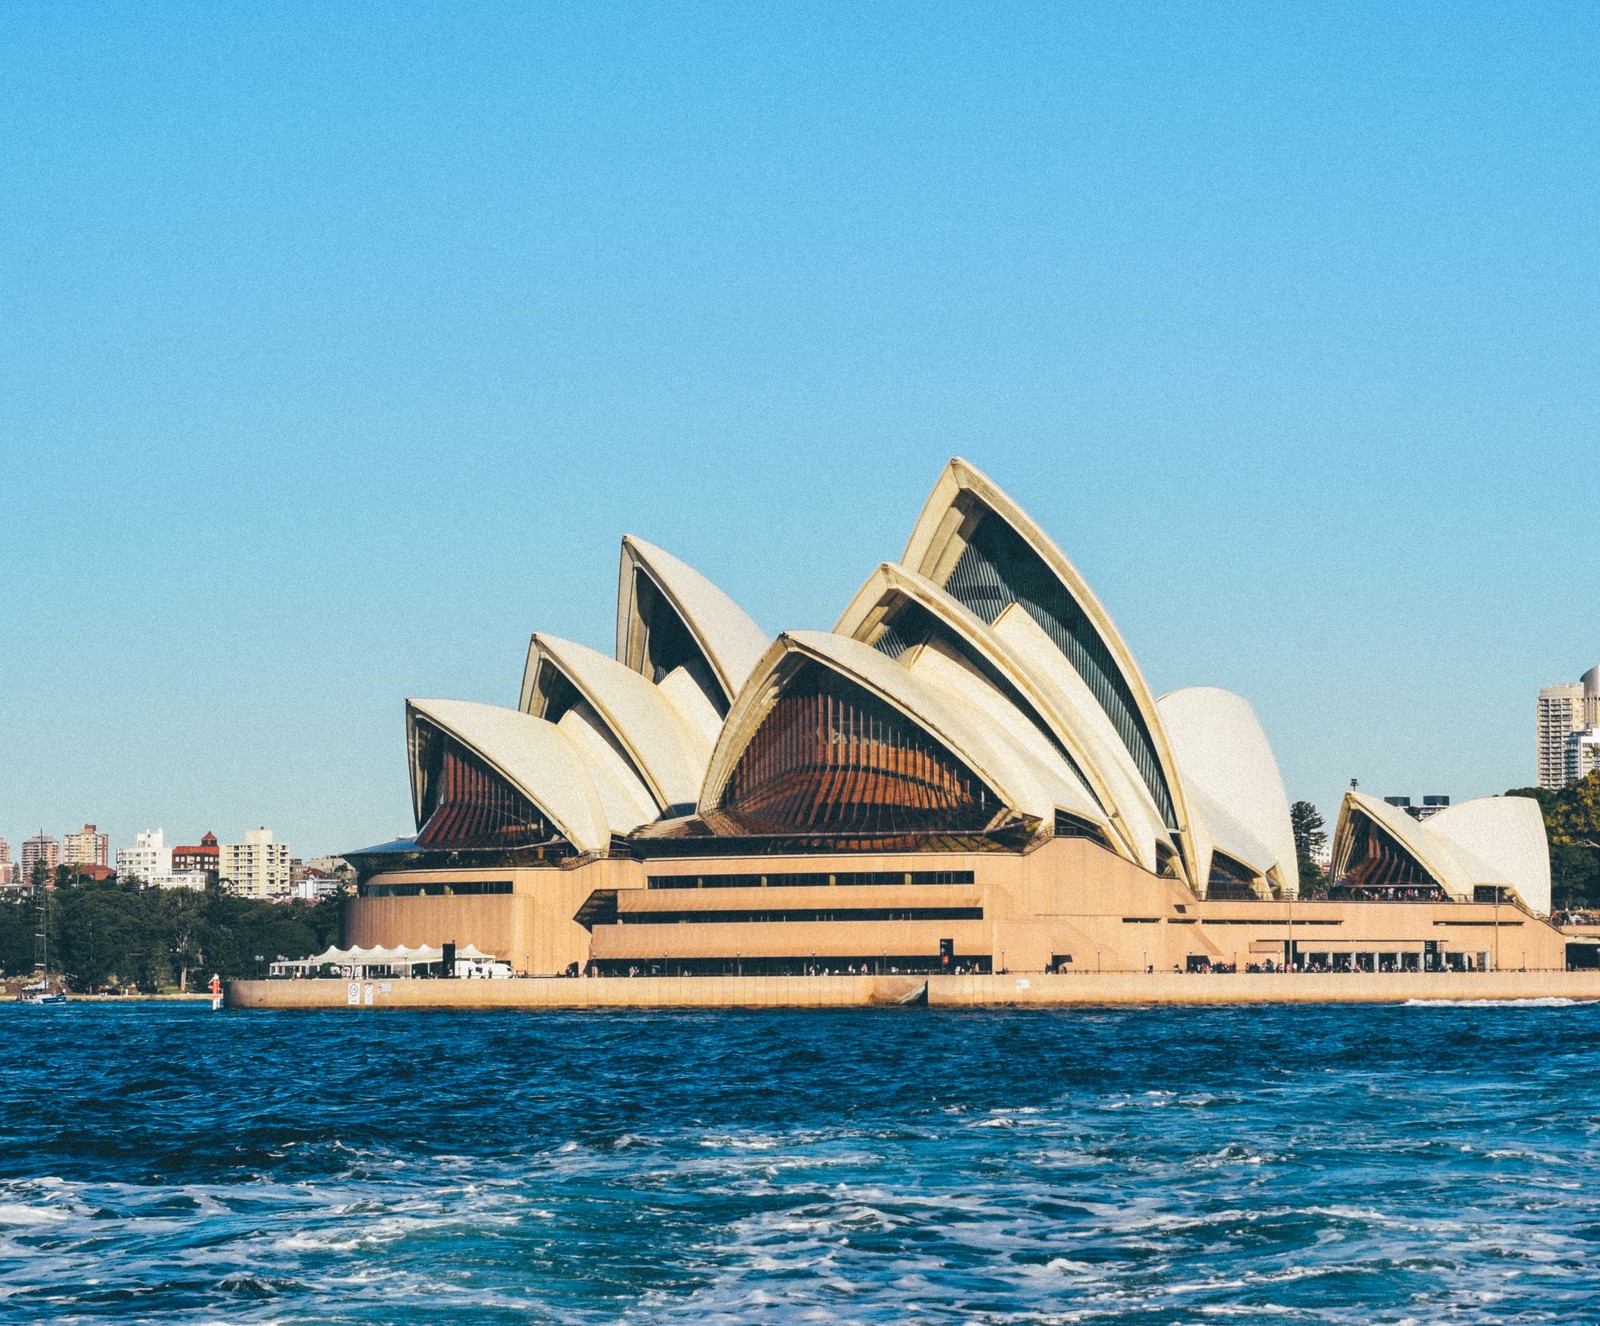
(16, 1214)
(1547, 1001)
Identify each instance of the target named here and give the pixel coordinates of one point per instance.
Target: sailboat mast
(41, 936)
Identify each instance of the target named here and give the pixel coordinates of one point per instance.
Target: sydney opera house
(968, 772)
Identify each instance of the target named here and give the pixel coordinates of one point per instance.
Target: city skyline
(324, 322)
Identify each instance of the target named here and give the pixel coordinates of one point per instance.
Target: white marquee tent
(402, 959)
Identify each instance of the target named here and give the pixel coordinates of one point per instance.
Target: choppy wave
(1332, 1165)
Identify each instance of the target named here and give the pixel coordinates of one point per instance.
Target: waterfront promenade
(967, 991)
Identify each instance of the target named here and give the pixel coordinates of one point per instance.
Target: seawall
(596, 992)
(1259, 987)
(1092, 989)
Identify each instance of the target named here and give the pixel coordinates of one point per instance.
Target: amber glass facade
(466, 804)
(830, 758)
(1380, 868)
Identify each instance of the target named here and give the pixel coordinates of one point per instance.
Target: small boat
(40, 993)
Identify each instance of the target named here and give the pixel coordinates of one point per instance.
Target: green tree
(183, 915)
(110, 933)
(1572, 823)
(18, 921)
(1310, 838)
(103, 933)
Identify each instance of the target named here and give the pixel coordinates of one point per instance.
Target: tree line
(1572, 823)
(117, 934)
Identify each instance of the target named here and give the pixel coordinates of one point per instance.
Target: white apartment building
(149, 858)
(1583, 753)
(189, 880)
(257, 867)
(316, 887)
(1563, 710)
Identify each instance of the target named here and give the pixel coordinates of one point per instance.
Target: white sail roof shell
(935, 666)
(1504, 839)
(669, 754)
(936, 543)
(731, 642)
(1429, 852)
(624, 797)
(1136, 810)
(1230, 835)
(1222, 750)
(532, 755)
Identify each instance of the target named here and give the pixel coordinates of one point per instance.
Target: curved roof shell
(1082, 738)
(1007, 771)
(1503, 840)
(955, 513)
(940, 667)
(529, 753)
(1222, 750)
(1489, 841)
(668, 755)
(727, 639)
(1231, 837)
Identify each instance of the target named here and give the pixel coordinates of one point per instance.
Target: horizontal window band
(804, 915)
(1487, 925)
(1236, 920)
(436, 889)
(813, 879)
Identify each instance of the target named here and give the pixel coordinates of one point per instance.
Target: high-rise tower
(1565, 713)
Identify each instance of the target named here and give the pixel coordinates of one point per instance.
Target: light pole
(1289, 947)
(1497, 927)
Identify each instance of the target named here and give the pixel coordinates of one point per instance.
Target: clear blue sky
(338, 349)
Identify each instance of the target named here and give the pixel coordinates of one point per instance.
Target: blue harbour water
(1343, 1164)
